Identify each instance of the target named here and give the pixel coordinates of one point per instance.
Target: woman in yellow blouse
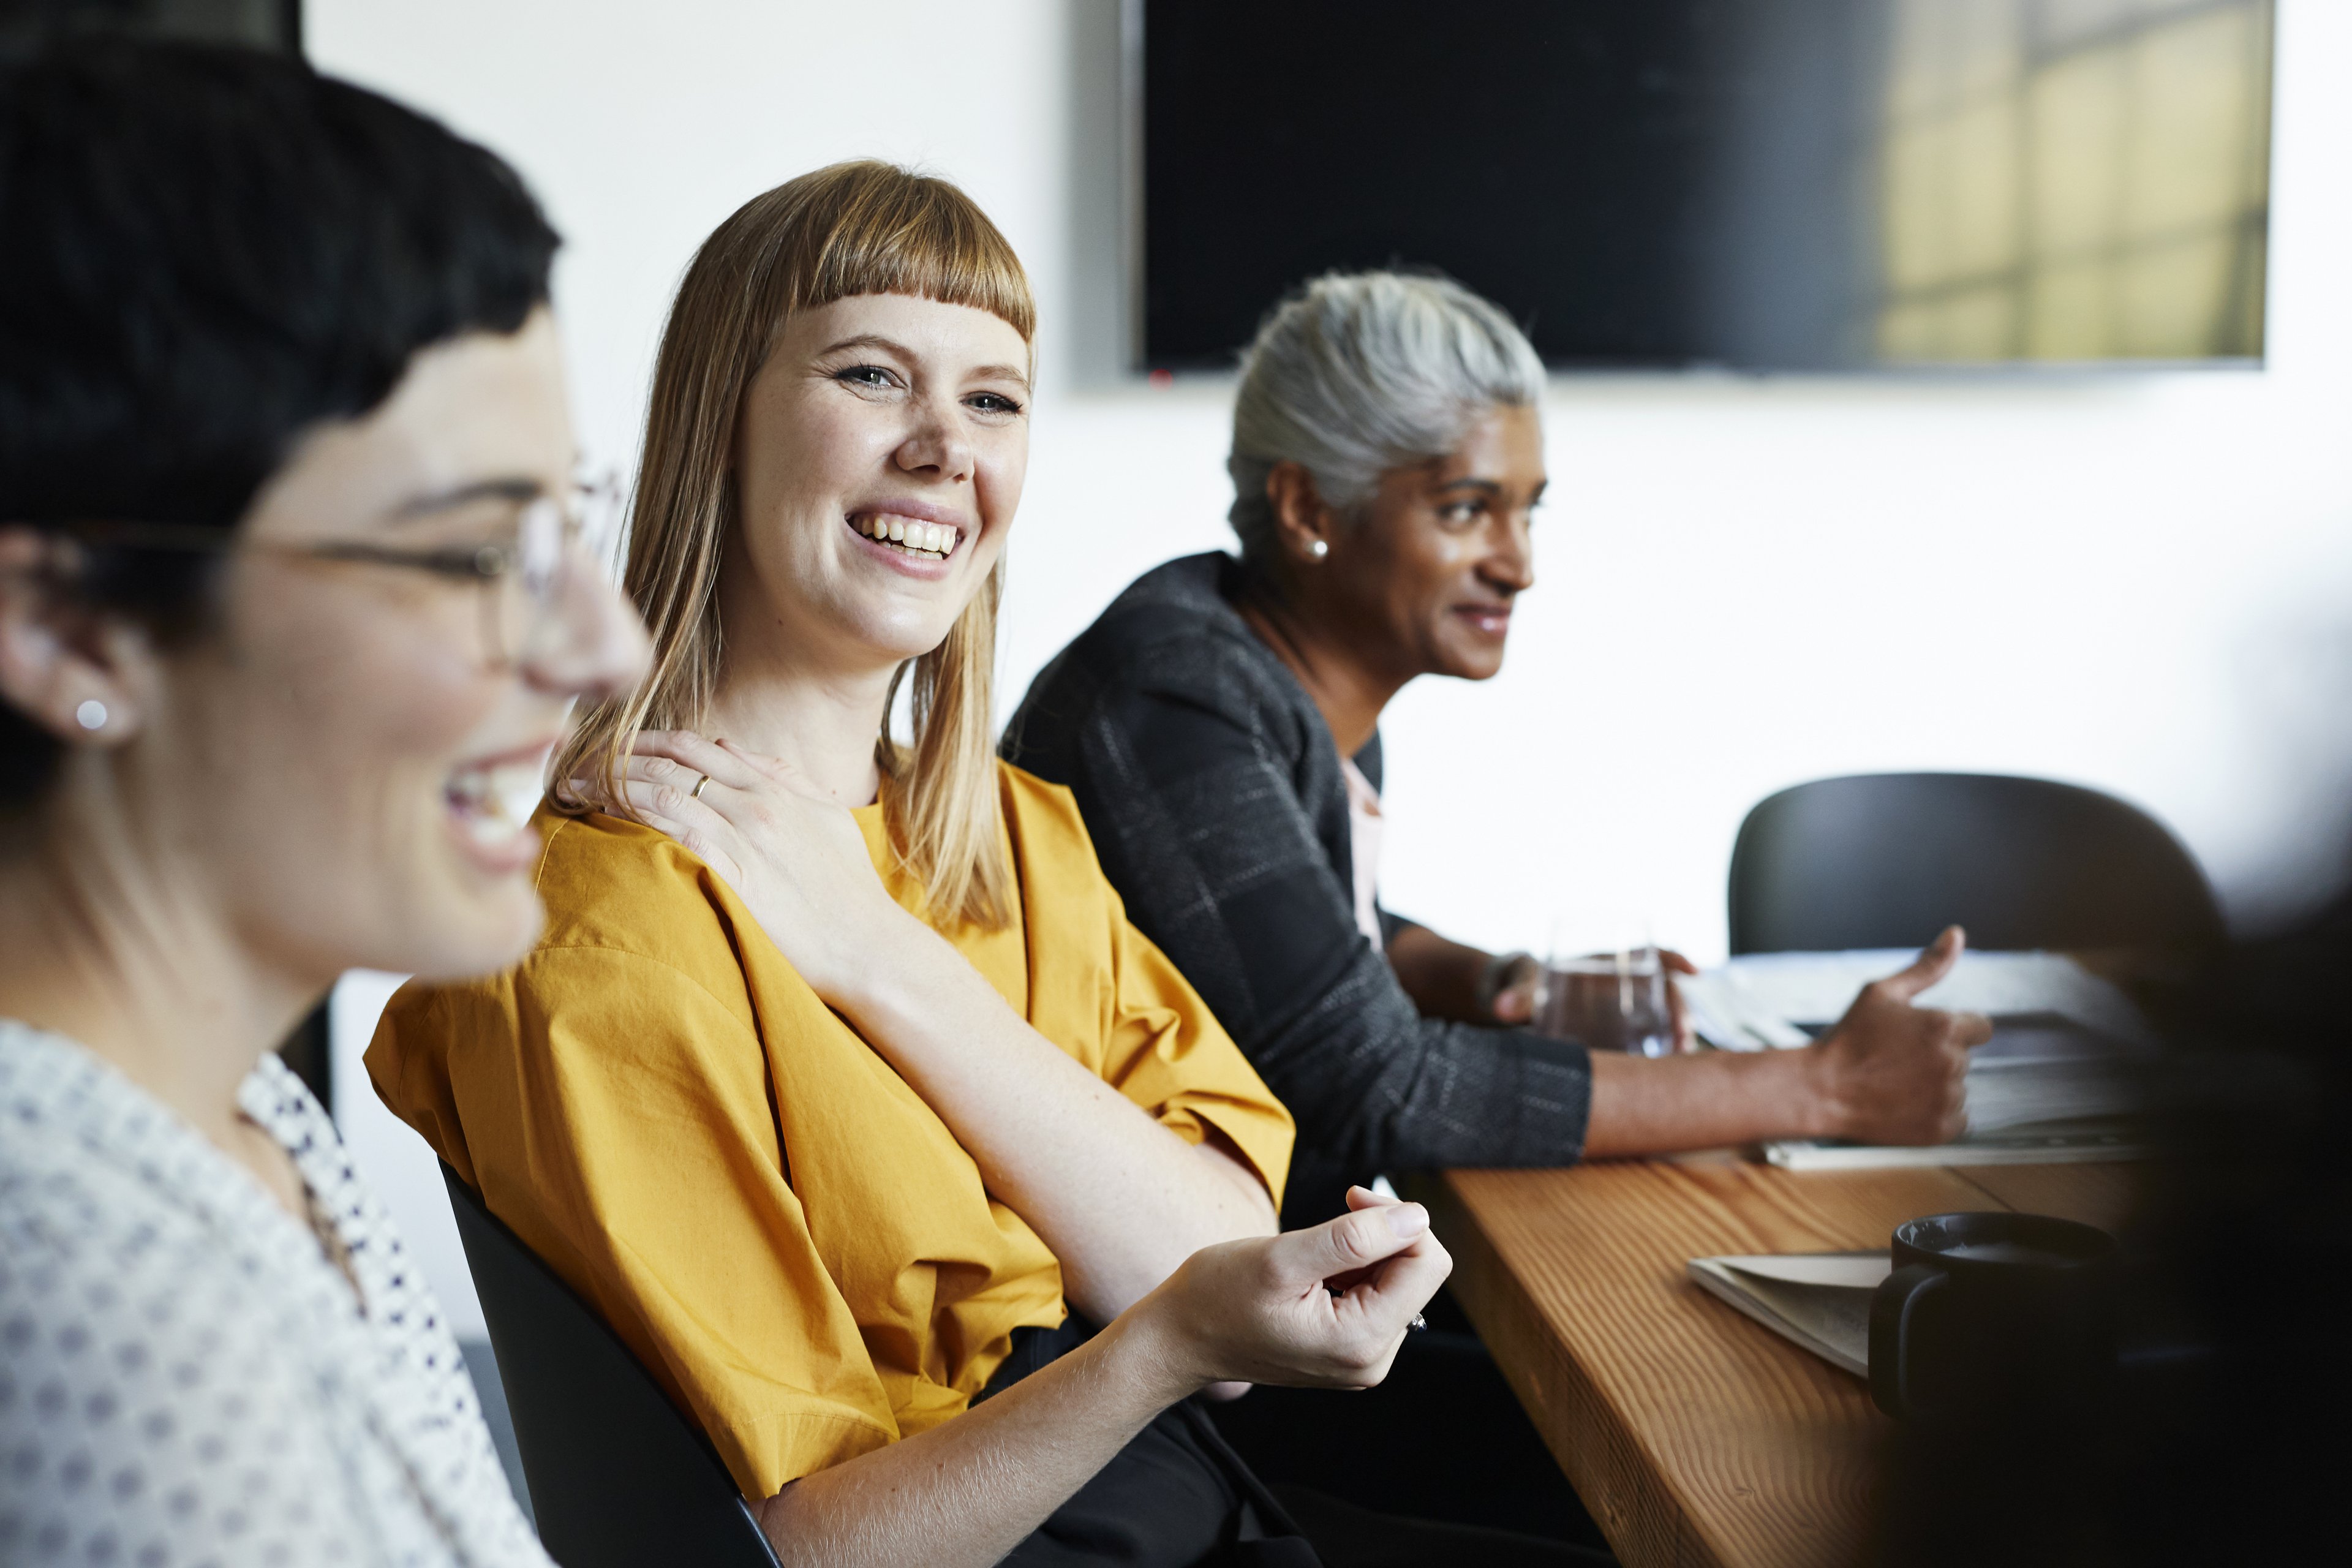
(839, 1070)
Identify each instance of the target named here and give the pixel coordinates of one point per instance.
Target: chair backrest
(1890, 859)
(618, 1477)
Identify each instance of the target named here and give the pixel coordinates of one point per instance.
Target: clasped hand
(1326, 1307)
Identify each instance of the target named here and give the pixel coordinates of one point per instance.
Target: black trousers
(1178, 1496)
(1443, 1437)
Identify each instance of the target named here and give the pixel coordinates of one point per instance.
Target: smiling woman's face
(878, 461)
(1428, 575)
(338, 748)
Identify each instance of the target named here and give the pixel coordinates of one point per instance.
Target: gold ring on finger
(696, 793)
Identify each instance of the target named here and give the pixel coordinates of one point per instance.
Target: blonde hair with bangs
(864, 228)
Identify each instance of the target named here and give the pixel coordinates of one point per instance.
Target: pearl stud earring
(92, 714)
(1319, 549)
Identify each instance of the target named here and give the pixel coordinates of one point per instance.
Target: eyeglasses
(559, 544)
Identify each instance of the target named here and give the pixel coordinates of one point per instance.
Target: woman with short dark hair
(293, 602)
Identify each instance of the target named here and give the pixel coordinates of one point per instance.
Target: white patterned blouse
(187, 1378)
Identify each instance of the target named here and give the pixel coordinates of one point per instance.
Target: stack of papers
(1819, 1299)
(2057, 1082)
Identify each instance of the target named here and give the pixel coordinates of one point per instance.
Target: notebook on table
(1819, 1300)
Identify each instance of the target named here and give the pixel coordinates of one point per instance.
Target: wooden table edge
(1588, 1437)
(1641, 1508)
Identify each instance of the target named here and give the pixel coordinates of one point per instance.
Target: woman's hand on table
(1511, 987)
(1892, 1072)
(1516, 982)
(1889, 1073)
(795, 857)
(1321, 1308)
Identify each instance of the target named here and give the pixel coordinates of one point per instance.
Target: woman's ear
(1305, 527)
(77, 672)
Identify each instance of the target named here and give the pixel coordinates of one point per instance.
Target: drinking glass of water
(1609, 1002)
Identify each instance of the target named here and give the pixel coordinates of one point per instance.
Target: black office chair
(618, 1477)
(1890, 859)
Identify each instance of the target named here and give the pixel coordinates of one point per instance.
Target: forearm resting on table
(1440, 975)
(1120, 1199)
(1645, 1106)
(970, 1489)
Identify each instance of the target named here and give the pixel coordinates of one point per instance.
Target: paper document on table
(2058, 1082)
(1819, 1300)
(1761, 999)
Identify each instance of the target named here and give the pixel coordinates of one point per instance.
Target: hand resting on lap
(1323, 1307)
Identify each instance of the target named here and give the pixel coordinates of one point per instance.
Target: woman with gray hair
(1219, 725)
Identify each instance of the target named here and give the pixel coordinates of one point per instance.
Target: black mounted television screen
(1766, 185)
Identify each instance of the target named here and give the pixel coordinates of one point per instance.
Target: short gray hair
(1362, 373)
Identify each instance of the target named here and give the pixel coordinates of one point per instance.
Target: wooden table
(1693, 1434)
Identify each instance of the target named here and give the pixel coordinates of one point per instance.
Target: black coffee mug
(2012, 1313)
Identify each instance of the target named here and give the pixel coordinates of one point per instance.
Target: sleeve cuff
(1264, 1141)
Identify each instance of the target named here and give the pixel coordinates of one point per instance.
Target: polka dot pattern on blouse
(186, 1379)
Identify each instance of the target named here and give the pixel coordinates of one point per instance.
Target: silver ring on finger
(696, 793)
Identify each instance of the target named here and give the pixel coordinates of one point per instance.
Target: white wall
(2139, 583)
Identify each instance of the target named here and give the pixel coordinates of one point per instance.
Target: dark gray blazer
(1213, 790)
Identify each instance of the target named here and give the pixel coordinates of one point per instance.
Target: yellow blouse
(762, 1209)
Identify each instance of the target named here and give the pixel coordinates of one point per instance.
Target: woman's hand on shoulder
(795, 857)
(1321, 1308)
